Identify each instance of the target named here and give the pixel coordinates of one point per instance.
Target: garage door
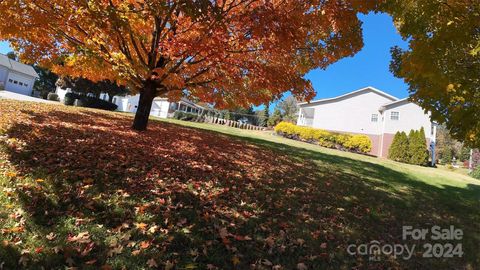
(18, 84)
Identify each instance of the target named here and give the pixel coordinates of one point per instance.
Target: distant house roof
(366, 89)
(185, 100)
(17, 66)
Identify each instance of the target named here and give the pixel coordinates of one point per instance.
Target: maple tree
(237, 52)
(442, 63)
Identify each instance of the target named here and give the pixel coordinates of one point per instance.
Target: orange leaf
(144, 244)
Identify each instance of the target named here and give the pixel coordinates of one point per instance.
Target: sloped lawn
(80, 189)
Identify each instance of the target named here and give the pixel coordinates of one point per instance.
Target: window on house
(374, 117)
(15, 82)
(114, 100)
(21, 83)
(394, 115)
(26, 85)
(10, 80)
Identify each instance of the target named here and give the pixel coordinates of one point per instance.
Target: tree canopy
(228, 53)
(442, 64)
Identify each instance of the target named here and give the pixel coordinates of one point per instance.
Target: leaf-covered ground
(78, 188)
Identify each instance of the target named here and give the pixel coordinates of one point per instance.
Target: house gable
(368, 89)
(356, 112)
(406, 116)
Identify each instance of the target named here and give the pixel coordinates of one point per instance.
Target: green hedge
(411, 149)
(52, 97)
(356, 143)
(187, 116)
(90, 102)
(69, 98)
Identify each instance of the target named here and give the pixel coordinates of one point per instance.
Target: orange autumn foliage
(237, 52)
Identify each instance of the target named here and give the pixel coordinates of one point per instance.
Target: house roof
(17, 66)
(184, 100)
(396, 103)
(366, 89)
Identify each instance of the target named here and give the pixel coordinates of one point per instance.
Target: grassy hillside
(79, 188)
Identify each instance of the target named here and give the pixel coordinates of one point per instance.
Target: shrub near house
(86, 101)
(411, 149)
(354, 143)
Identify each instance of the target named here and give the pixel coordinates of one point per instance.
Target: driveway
(15, 96)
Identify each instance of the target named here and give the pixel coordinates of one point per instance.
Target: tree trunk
(147, 94)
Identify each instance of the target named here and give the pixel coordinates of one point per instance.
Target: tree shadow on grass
(198, 197)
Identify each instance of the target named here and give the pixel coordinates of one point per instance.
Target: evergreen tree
(12, 55)
(264, 115)
(464, 154)
(418, 151)
(447, 156)
(275, 118)
(399, 148)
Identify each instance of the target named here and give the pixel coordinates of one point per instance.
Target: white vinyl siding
(350, 114)
(411, 116)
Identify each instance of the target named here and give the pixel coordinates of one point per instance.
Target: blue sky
(4, 48)
(367, 68)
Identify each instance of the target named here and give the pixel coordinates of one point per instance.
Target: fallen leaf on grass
(242, 238)
(51, 236)
(235, 260)
(301, 266)
(88, 181)
(115, 250)
(144, 244)
(141, 226)
(17, 229)
(152, 263)
(90, 262)
(169, 265)
(83, 237)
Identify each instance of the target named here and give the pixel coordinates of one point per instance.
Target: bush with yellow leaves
(356, 143)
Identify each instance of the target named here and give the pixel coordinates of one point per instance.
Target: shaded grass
(217, 197)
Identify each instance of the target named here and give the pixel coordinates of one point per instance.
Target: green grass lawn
(78, 188)
(432, 176)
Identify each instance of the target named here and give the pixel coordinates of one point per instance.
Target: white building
(161, 107)
(16, 77)
(367, 111)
